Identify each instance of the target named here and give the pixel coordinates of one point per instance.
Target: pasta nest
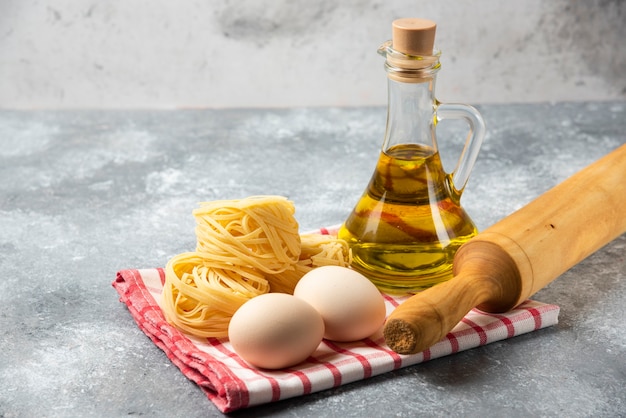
(244, 248)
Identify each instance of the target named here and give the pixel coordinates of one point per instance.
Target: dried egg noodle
(245, 248)
(200, 298)
(316, 250)
(258, 231)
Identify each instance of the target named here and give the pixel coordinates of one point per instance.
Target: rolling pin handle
(488, 278)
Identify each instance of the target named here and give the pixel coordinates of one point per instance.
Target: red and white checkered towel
(231, 384)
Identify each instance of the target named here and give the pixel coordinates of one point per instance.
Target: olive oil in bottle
(407, 226)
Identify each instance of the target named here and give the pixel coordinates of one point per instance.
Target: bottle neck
(411, 113)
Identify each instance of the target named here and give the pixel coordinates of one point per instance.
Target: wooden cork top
(413, 36)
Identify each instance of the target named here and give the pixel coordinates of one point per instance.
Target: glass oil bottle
(408, 224)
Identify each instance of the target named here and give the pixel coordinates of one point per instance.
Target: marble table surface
(84, 194)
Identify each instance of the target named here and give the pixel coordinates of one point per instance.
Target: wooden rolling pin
(511, 260)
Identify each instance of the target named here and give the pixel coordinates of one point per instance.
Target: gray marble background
(84, 194)
(250, 53)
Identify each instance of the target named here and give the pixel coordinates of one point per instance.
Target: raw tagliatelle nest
(245, 248)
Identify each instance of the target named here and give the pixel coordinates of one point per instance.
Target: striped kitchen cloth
(231, 384)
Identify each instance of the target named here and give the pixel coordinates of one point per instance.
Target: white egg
(275, 331)
(351, 305)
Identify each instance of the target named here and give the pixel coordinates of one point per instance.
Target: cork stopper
(413, 36)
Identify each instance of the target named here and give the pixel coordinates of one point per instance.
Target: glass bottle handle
(466, 161)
